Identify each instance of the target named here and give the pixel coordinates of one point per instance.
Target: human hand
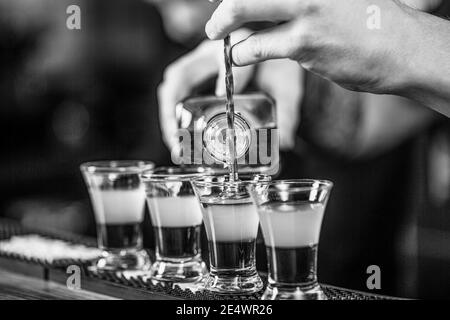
(282, 79)
(330, 38)
(188, 72)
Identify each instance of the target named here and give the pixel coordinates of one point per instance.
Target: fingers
(274, 43)
(231, 14)
(242, 76)
(180, 79)
(167, 118)
(283, 80)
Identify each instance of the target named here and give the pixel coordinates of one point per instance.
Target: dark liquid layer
(177, 243)
(232, 255)
(119, 236)
(292, 265)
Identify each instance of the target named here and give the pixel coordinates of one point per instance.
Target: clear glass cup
(291, 214)
(118, 200)
(231, 223)
(177, 219)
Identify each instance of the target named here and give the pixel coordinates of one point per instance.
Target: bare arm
(428, 68)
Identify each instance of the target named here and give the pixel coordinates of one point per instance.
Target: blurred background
(70, 96)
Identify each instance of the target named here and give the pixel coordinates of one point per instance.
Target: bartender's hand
(281, 79)
(404, 52)
(188, 72)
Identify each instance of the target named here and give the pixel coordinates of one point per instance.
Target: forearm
(427, 74)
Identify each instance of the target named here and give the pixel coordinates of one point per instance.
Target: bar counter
(22, 277)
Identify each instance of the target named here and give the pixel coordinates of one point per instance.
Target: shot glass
(176, 218)
(231, 223)
(118, 200)
(291, 214)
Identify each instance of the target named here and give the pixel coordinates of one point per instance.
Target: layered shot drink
(291, 214)
(231, 223)
(118, 200)
(177, 219)
(119, 215)
(232, 227)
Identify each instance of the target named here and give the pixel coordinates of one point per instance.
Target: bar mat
(10, 228)
(332, 293)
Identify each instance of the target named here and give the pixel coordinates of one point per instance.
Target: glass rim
(153, 174)
(200, 183)
(298, 185)
(117, 166)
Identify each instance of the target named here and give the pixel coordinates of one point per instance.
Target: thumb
(274, 43)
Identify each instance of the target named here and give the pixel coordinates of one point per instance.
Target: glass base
(233, 282)
(277, 292)
(185, 271)
(121, 260)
